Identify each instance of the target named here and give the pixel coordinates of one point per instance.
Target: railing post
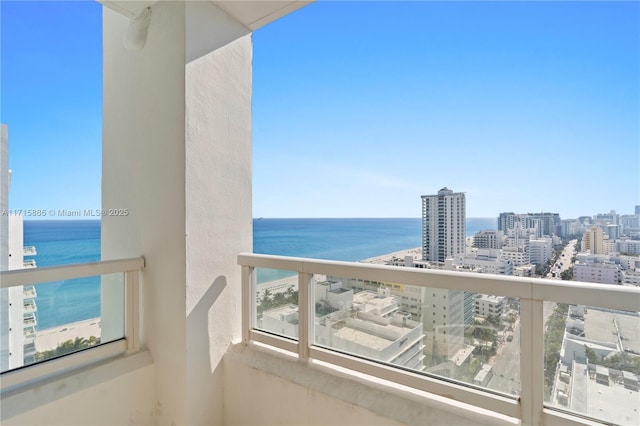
(531, 361)
(132, 309)
(304, 314)
(248, 300)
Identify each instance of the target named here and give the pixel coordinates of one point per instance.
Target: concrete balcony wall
(115, 393)
(264, 387)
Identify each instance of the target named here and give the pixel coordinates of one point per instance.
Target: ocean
(63, 242)
(67, 242)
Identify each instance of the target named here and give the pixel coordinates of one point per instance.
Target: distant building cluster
(610, 249)
(452, 333)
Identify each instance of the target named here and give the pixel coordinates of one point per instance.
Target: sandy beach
(50, 337)
(416, 253)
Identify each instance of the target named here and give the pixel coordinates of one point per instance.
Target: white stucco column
(177, 155)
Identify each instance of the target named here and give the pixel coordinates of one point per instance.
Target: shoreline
(49, 338)
(415, 252)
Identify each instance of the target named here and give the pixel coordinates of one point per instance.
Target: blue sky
(361, 107)
(51, 100)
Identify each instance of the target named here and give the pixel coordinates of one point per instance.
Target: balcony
(177, 153)
(29, 334)
(29, 263)
(522, 382)
(29, 251)
(29, 349)
(359, 340)
(29, 292)
(29, 320)
(29, 306)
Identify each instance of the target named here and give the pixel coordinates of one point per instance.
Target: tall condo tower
(443, 225)
(17, 304)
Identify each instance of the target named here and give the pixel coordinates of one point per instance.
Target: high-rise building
(551, 222)
(17, 304)
(443, 225)
(593, 240)
(443, 237)
(545, 223)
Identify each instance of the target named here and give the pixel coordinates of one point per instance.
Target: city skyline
(532, 106)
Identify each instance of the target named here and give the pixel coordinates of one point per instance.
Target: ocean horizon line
(372, 217)
(264, 218)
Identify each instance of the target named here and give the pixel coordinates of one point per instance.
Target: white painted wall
(144, 171)
(177, 154)
(116, 393)
(217, 196)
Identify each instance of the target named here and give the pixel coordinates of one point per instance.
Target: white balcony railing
(29, 349)
(529, 404)
(29, 292)
(29, 263)
(29, 306)
(29, 334)
(29, 251)
(29, 320)
(131, 268)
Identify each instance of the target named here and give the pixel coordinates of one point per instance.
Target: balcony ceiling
(251, 14)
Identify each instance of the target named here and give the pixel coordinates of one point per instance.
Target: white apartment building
(17, 304)
(540, 250)
(629, 263)
(443, 237)
(485, 261)
(628, 246)
(488, 238)
(630, 221)
(443, 316)
(518, 256)
(442, 312)
(524, 270)
(365, 323)
(609, 246)
(631, 277)
(443, 225)
(486, 305)
(597, 272)
(519, 236)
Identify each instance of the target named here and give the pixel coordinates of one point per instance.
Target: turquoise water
(68, 242)
(61, 243)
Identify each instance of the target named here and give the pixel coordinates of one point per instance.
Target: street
(506, 364)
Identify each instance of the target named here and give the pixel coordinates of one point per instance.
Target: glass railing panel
(65, 317)
(276, 302)
(592, 362)
(462, 336)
